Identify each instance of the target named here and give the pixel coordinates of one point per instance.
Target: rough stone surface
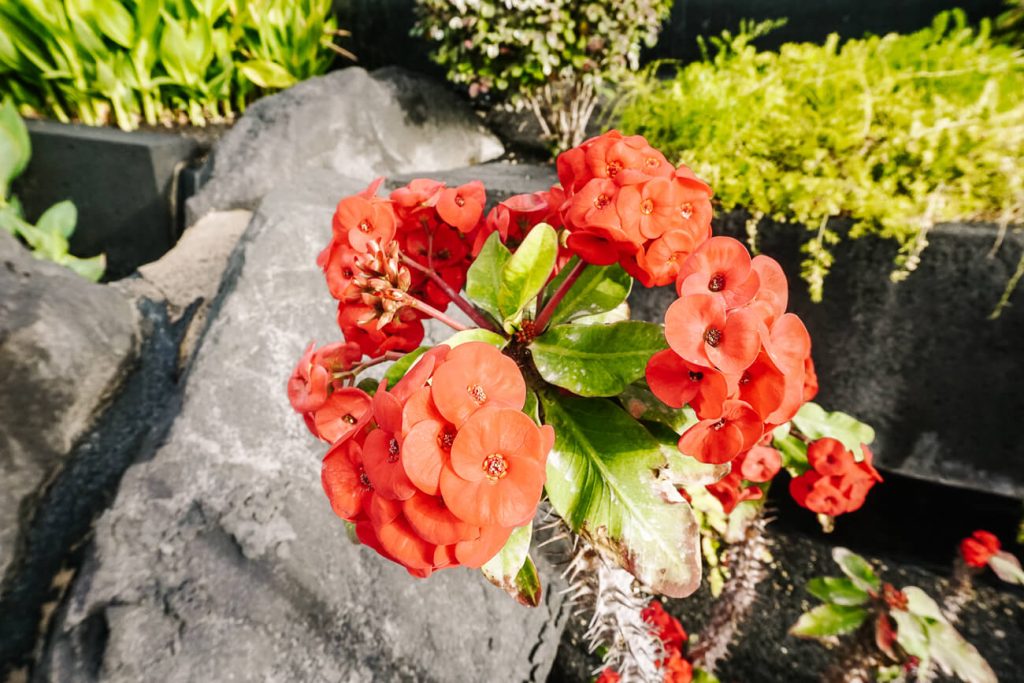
(220, 554)
(355, 123)
(188, 277)
(501, 179)
(919, 360)
(65, 346)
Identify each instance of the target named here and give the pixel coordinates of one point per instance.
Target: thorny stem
(456, 298)
(412, 302)
(746, 562)
(549, 309)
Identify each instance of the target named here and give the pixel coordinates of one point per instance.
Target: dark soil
(908, 530)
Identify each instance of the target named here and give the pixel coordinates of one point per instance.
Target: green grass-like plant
(158, 61)
(897, 133)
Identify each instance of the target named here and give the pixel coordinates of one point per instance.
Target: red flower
(715, 441)
(829, 457)
(360, 220)
(496, 471)
(979, 548)
(608, 676)
(307, 387)
(677, 669)
(344, 413)
(473, 376)
(677, 383)
(669, 630)
(359, 325)
(648, 208)
(722, 267)
(730, 491)
(760, 464)
(462, 207)
(345, 482)
(762, 385)
(659, 261)
(700, 330)
(773, 291)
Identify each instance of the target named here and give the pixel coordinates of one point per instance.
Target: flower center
(446, 438)
(745, 379)
(601, 201)
(718, 425)
(713, 336)
(393, 451)
(686, 210)
(348, 418)
(477, 393)
(495, 466)
(717, 282)
(459, 201)
(348, 273)
(696, 376)
(652, 162)
(647, 207)
(364, 480)
(365, 226)
(613, 168)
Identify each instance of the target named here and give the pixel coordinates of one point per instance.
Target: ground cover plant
(896, 133)
(551, 57)
(128, 62)
(550, 417)
(48, 237)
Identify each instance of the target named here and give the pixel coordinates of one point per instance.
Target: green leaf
(640, 402)
(683, 470)
(267, 74)
(89, 268)
(526, 272)
(702, 676)
(596, 360)
(1007, 567)
(816, 423)
(601, 481)
(402, 365)
(59, 219)
(616, 315)
(513, 571)
(836, 591)
(115, 21)
(825, 621)
(912, 635)
(483, 279)
(947, 648)
(476, 334)
(598, 289)
(857, 568)
(15, 147)
(793, 452)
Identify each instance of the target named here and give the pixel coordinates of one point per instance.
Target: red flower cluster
(625, 203)
(439, 470)
(836, 482)
(673, 637)
(979, 548)
(373, 240)
(737, 358)
(759, 465)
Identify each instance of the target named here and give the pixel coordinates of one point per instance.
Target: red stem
(456, 298)
(549, 309)
(422, 306)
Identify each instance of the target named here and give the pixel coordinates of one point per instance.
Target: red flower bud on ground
(979, 548)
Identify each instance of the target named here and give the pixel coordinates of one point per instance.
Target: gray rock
(220, 557)
(357, 124)
(66, 344)
(501, 179)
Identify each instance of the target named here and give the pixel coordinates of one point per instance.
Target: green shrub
(897, 133)
(548, 56)
(157, 61)
(48, 238)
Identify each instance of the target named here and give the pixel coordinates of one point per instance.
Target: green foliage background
(898, 132)
(157, 61)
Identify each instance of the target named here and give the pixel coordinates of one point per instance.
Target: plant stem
(549, 309)
(422, 306)
(738, 597)
(352, 373)
(456, 298)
